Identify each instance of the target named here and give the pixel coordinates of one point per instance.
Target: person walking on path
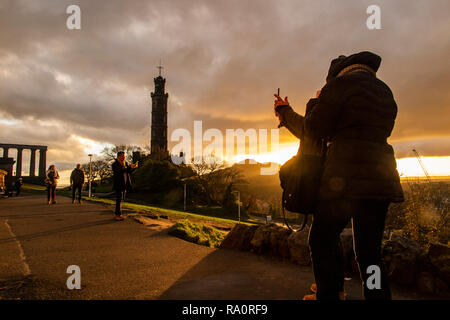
(18, 184)
(51, 181)
(121, 181)
(355, 112)
(76, 182)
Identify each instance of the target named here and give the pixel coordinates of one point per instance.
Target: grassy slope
(139, 207)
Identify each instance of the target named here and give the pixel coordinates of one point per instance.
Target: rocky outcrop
(239, 237)
(299, 248)
(426, 283)
(439, 255)
(401, 256)
(271, 239)
(274, 240)
(407, 263)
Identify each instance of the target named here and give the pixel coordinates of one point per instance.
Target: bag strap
(285, 220)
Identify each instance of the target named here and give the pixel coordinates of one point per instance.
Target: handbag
(300, 179)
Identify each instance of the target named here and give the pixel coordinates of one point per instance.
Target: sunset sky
(79, 90)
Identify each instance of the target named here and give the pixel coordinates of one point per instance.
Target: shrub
(157, 176)
(424, 216)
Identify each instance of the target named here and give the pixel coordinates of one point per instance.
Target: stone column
(42, 162)
(33, 163)
(19, 163)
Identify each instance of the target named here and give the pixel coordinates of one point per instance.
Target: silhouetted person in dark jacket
(355, 112)
(76, 182)
(18, 184)
(121, 181)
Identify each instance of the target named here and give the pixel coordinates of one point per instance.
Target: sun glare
(407, 167)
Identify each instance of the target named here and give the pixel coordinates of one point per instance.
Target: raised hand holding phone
(279, 102)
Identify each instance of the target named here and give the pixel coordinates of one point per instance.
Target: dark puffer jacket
(77, 177)
(356, 112)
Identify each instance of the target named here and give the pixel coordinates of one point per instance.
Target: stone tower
(159, 120)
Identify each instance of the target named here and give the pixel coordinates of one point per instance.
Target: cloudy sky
(78, 90)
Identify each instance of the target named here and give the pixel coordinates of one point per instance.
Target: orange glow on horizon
(407, 167)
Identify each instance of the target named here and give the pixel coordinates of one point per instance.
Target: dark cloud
(223, 60)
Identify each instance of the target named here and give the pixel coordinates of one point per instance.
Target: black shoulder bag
(300, 179)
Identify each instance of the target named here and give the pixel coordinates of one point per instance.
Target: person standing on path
(355, 112)
(76, 182)
(121, 181)
(51, 181)
(18, 184)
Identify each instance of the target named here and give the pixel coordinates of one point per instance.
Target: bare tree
(214, 177)
(101, 169)
(110, 153)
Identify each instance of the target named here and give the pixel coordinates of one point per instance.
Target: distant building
(158, 141)
(3, 174)
(7, 163)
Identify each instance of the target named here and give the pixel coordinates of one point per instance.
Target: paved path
(127, 260)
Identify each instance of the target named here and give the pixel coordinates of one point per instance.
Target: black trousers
(51, 192)
(18, 191)
(331, 217)
(75, 188)
(120, 195)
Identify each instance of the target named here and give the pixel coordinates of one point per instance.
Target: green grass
(164, 211)
(197, 233)
(33, 188)
(143, 207)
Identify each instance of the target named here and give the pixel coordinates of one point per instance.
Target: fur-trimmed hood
(365, 58)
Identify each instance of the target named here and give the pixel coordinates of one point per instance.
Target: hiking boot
(310, 297)
(313, 288)
(118, 218)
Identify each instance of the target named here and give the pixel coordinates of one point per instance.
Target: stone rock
(151, 215)
(425, 283)
(299, 247)
(239, 237)
(401, 256)
(279, 242)
(439, 255)
(441, 287)
(271, 239)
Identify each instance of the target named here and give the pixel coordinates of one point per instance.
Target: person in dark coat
(355, 112)
(121, 181)
(18, 184)
(76, 182)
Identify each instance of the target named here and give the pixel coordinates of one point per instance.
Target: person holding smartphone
(355, 112)
(121, 181)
